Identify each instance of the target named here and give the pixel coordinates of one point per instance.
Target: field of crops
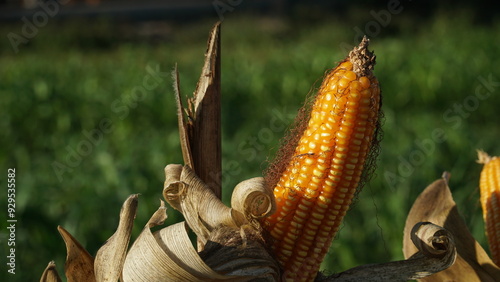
(88, 118)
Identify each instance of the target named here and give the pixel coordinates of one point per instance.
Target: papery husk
(110, 257)
(436, 251)
(204, 212)
(232, 236)
(165, 255)
(436, 204)
(79, 266)
(253, 198)
(50, 273)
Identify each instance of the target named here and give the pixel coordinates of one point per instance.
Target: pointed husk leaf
(110, 257)
(79, 265)
(50, 273)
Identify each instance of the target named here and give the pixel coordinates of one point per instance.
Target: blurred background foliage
(77, 73)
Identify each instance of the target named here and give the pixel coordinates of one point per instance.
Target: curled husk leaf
(165, 255)
(203, 211)
(234, 248)
(436, 251)
(435, 204)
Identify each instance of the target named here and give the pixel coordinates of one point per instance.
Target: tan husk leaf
(79, 265)
(436, 204)
(234, 246)
(436, 251)
(165, 255)
(203, 211)
(50, 273)
(109, 259)
(253, 198)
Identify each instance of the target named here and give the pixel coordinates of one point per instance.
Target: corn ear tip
(362, 59)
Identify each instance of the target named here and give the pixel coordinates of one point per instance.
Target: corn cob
(489, 183)
(318, 182)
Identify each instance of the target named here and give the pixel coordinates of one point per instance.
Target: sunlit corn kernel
(318, 173)
(286, 252)
(312, 145)
(341, 134)
(349, 75)
(325, 148)
(328, 182)
(364, 81)
(325, 134)
(324, 199)
(343, 83)
(328, 97)
(340, 155)
(351, 110)
(352, 104)
(312, 193)
(334, 178)
(338, 161)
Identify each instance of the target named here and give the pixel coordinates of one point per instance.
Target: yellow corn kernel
(333, 150)
(489, 184)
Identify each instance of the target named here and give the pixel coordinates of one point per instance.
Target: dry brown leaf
(435, 204)
(79, 265)
(166, 255)
(202, 210)
(253, 198)
(436, 251)
(181, 121)
(109, 259)
(205, 126)
(50, 273)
